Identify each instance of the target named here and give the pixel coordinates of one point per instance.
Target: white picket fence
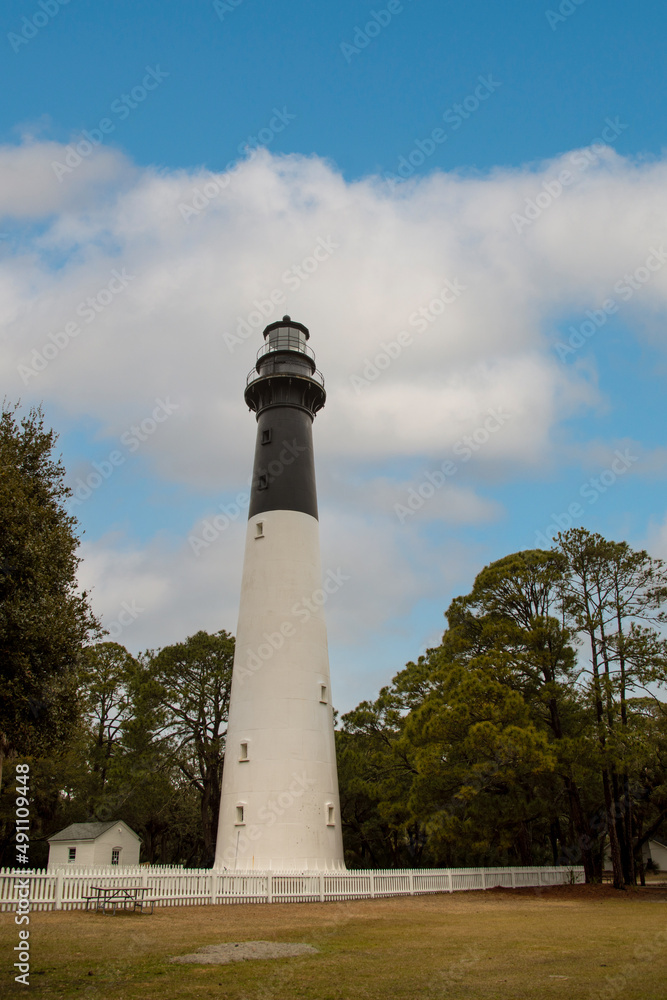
(67, 888)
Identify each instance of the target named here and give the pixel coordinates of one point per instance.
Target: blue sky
(488, 105)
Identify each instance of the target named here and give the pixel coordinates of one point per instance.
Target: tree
(191, 683)
(375, 775)
(613, 598)
(482, 769)
(513, 621)
(533, 729)
(44, 620)
(106, 675)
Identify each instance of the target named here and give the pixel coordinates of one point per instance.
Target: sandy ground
(243, 951)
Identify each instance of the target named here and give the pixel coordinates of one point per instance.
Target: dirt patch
(586, 892)
(244, 951)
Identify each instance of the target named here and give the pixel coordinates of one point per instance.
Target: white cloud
(391, 255)
(194, 282)
(29, 185)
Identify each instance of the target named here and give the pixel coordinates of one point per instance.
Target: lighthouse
(279, 808)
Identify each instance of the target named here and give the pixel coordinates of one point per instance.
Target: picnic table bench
(127, 897)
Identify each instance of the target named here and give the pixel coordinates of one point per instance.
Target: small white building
(94, 845)
(654, 850)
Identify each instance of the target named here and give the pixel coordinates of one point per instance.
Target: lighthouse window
(330, 814)
(323, 694)
(266, 436)
(263, 481)
(239, 815)
(259, 529)
(243, 755)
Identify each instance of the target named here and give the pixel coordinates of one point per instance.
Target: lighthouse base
(309, 866)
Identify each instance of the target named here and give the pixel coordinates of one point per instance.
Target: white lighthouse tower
(279, 808)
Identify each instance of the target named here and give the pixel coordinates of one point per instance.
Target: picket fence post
(58, 903)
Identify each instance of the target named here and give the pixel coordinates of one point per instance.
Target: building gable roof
(87, 831)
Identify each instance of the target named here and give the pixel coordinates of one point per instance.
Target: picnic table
(127, 897)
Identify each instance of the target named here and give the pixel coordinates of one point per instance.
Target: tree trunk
(582, 830)
(629, 824)
(625, 846)
(614, 846)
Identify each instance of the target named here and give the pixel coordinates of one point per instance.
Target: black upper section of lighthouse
(286, 390)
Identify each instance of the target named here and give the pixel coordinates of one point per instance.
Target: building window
(71, 854)
(266, 436)
(323, 694)
(115, 856)
(259, 529)
(263, 481)
(243, 753)
(330, 814)
(240, 813)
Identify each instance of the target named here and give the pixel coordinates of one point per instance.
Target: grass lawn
(567, 942)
